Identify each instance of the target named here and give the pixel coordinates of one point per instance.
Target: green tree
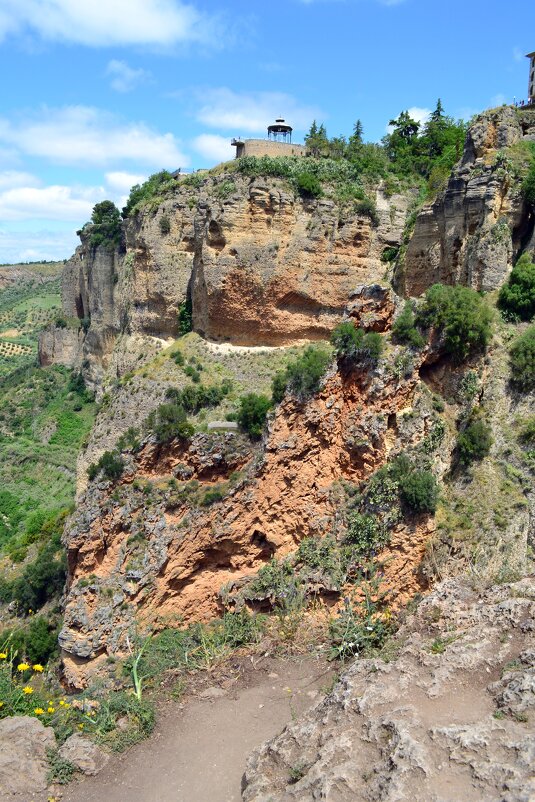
(474, 442)
(461, 315)
(522, 357)
(106, 225)
(252, 414)
(404, 329)
(316, 140)
(518, 295)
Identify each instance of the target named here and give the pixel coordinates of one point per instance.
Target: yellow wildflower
(61, 703)
(23, 667)
(39, 711)
(1, 704)
(38, 667)
(51, 710)
(3, 656)
(27, 690)
(80, 726)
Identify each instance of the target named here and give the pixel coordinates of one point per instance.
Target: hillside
(314, 387)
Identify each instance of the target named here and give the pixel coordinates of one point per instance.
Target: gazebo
(280, 131)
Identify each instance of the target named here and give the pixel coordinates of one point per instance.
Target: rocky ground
(449, 719)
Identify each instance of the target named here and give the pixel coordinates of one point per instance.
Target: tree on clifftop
(106, 220)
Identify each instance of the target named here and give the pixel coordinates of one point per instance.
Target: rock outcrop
(450, 718)
(167, 558)
(475, 228)
(259, 264)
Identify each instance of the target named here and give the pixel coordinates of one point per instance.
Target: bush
(522, 359)
(308, 185)
(367, 207)
(36, 643)
(60, 323)
(474, 442)
(152, 192)
(252, 414)
(364, 532)
(185, 317)
(517, 297)
(353, 344)
(461, 315)
(528, 187)
(404, 330)
(302, 377)
(193, 399)
(111, 464)
(165, 225)
(169, 421)
(419, 491)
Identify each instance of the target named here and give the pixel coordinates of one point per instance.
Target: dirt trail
(198, 750)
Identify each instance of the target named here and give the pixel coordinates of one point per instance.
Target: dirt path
(198, 750)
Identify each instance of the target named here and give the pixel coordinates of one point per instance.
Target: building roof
(280, 125)
(530, 55)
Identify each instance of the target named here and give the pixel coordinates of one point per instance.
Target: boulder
(24, 742)
(84, 754)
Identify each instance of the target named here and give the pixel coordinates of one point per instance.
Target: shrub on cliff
(474, 442)
(461, 315)
(193, 399)
(106, 225)
(528, 187)
(252, 414)
(353, 344)
(517, 297)
(110, 463)
(170, 421)
(302, 377)
(152, 192)
(419, 491)
(522, 358)
(404, 330)
(308, 185)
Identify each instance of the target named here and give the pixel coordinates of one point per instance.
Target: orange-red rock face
(188, 556)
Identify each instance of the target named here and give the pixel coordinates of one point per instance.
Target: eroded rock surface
(450, 718)
(24, 742)
(472, 231)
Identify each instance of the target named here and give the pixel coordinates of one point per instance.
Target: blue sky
(98, 94)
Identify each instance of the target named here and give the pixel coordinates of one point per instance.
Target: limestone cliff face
(165, 559)
(260, 265)
(472, 231)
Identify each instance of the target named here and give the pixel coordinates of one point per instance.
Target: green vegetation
(185, 317)
(193, 399)
(475, 441)
(252, 414)
(522, 358)
(528, 187)
(165, 225)
(302, 377)
(404, 330)
(105, 226)
(308, 185)
(110, 464)
(169, 421)
(150, 194)
(45, 415)
(517, 296)
(352, 344)
(419, 491)
(460, 315)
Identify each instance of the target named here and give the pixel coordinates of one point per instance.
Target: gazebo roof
(280, 125)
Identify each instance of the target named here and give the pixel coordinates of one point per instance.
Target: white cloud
(420, 115)
(252, 112)
(88, 136)
(105, 24)
(123, 182)
(125, 78)
(214, 148)
(49, 203)
(15, 178)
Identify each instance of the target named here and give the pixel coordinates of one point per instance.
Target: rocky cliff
(260, 265)
(188, 525)
(473, 230)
